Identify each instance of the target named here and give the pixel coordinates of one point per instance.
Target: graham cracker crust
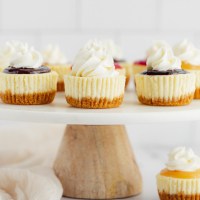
(181, 196)
(185, 100)
(94, 103)
(60, 86)
(28, 99)
(197, 93)
(127, 81)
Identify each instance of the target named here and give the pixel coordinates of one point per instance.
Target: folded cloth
(26, 158)
(29, 184)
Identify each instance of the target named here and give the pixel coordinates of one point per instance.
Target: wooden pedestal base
(96, 162)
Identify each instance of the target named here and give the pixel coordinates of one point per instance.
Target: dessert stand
(95, 160)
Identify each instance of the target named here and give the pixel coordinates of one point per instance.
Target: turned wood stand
(96, 162)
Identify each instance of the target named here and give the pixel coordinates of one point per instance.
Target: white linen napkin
(27, 152)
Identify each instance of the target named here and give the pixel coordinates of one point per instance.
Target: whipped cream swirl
(94, 59)
(6, 53)
(25, 56)
(163, 59)
(115, 50)
(183, 159)
(187, 52)
(157, 44)
(53, 55)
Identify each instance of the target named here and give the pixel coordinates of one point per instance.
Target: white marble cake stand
(95, 160)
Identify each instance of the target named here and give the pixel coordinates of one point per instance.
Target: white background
(133, 24)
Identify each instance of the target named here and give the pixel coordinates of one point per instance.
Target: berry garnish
(140, 62)
(118, 66)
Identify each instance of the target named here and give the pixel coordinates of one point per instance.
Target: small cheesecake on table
(164, 83)
(117, 55)
(94, 82)
(56, 61)
(190, 58)
(139, 66)
(122, 71)
(180, 180)
(119, 68)
(26, 81)
(127, 69)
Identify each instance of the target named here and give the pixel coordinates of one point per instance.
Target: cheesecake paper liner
(105, 91)
(178, 187)
(127, 66)
(197, 83)
(28, 83)
(94, 87)
(61, 70)
(165, 88)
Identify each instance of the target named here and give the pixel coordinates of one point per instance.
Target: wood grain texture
(96, 162)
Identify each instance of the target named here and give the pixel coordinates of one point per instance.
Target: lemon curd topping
(188, 66)
(181, 174)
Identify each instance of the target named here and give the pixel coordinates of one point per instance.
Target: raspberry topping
(118, 66)
(140, 62)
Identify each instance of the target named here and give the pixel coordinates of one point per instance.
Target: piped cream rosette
(7, 51)
(27, 89)
(165, 90)
(190, 57)
(117, 54)
(94, 83)
(139, 68)
(181, 178)
(56, 61)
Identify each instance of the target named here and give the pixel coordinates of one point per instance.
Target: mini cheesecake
(122, 71)
(139, 66)
(117, 54)
(94, 82)
(26, 81)
(56, 61)
(127, 66)
(165, 83)
(182, 180)
(26, 86)
(190, 57)
(61, 70)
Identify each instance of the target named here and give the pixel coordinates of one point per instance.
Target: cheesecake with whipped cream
(94, 82)
(26, 81)
(140, 65)
(190, 58)
(117, 55)
(55, 59)
(164, 83)
(180, 180)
